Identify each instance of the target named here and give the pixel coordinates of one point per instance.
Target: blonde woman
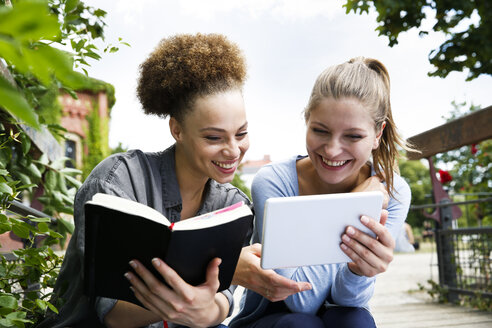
(351, 143)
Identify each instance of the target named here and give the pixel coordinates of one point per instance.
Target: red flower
(445, 177)
(474, 149)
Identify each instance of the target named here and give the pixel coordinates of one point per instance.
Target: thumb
(213, 274)
(256, 249)
(384, 217)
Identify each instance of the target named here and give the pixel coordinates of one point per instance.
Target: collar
(171, 196)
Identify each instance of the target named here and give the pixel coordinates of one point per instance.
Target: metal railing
(21, 209)
(463, 254)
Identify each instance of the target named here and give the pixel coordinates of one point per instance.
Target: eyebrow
(347, 130)
(211, 128)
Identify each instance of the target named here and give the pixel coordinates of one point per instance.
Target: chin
(225, 180)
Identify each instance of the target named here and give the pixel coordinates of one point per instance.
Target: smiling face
(212, 138)
(340, 138)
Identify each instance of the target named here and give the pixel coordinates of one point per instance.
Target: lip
(226, 170)
(333, 168)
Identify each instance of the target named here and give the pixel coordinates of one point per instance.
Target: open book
(118, 230)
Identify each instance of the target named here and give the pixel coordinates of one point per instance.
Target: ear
(378, 136)
(176, 129)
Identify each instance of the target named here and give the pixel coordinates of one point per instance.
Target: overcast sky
(287, 43)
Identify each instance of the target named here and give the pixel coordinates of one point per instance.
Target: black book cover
(113, 238)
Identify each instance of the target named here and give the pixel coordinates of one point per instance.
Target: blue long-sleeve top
(332, 283)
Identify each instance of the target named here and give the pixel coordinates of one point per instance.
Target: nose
(231, 149)
(332, 148)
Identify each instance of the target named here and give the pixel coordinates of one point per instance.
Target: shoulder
(278, 178)
(401, 189)
(118, 172)
(225, 194)
(118, 164)
(278, 171)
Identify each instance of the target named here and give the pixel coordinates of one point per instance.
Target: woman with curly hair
(196, 81)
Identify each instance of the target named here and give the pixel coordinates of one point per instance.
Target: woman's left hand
(370, 255)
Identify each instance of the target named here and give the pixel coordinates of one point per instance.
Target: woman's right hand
(267, 283)
(192, 306)
(374, 183)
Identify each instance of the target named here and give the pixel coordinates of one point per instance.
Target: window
(70, 152)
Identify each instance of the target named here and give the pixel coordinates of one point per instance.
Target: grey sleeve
(102, 305)
(229, 292)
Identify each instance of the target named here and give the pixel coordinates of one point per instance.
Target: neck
(191, 185)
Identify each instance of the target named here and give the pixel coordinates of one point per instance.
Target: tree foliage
(416, 174)
(467, 25)
(32, 71)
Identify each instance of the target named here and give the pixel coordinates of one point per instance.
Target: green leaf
(68, 225)
(52, 307)
(9, 302)
(26, 180)
(4, 227)
(29, 21)
(71, 5)
(76, 183)
(25, 143)
(43, 227)
(21, 230)
(70, 171)
(43, 159)
(100, 13)
(4, 172)
(14, 102)
(34, 171)
(50, 180)
(54, 234)
(62, 184)
(33, 219)
(5, 188)
(6, 323)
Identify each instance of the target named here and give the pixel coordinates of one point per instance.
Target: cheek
(244, 144)
(365, 151)
(311, 141)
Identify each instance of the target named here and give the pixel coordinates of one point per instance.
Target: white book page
(212, 219)
(129, 206)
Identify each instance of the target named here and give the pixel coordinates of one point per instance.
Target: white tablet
(307, 230)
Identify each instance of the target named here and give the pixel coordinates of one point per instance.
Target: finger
(148, 297)
(374, 245)
(359, 265)
(385, 196)
(256, 249)
(384, 217)
(152, 284)
(281, 287)
(178, 285)
(212, 279)
(148, 305)
(379, 229)
(281, 282)
(357, 249)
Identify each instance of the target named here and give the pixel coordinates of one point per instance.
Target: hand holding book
(119, 230)
(184, 303)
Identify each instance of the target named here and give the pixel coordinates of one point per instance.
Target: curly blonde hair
(184, 67)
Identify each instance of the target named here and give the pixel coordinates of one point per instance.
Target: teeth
(333, 163)
(225, 166)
